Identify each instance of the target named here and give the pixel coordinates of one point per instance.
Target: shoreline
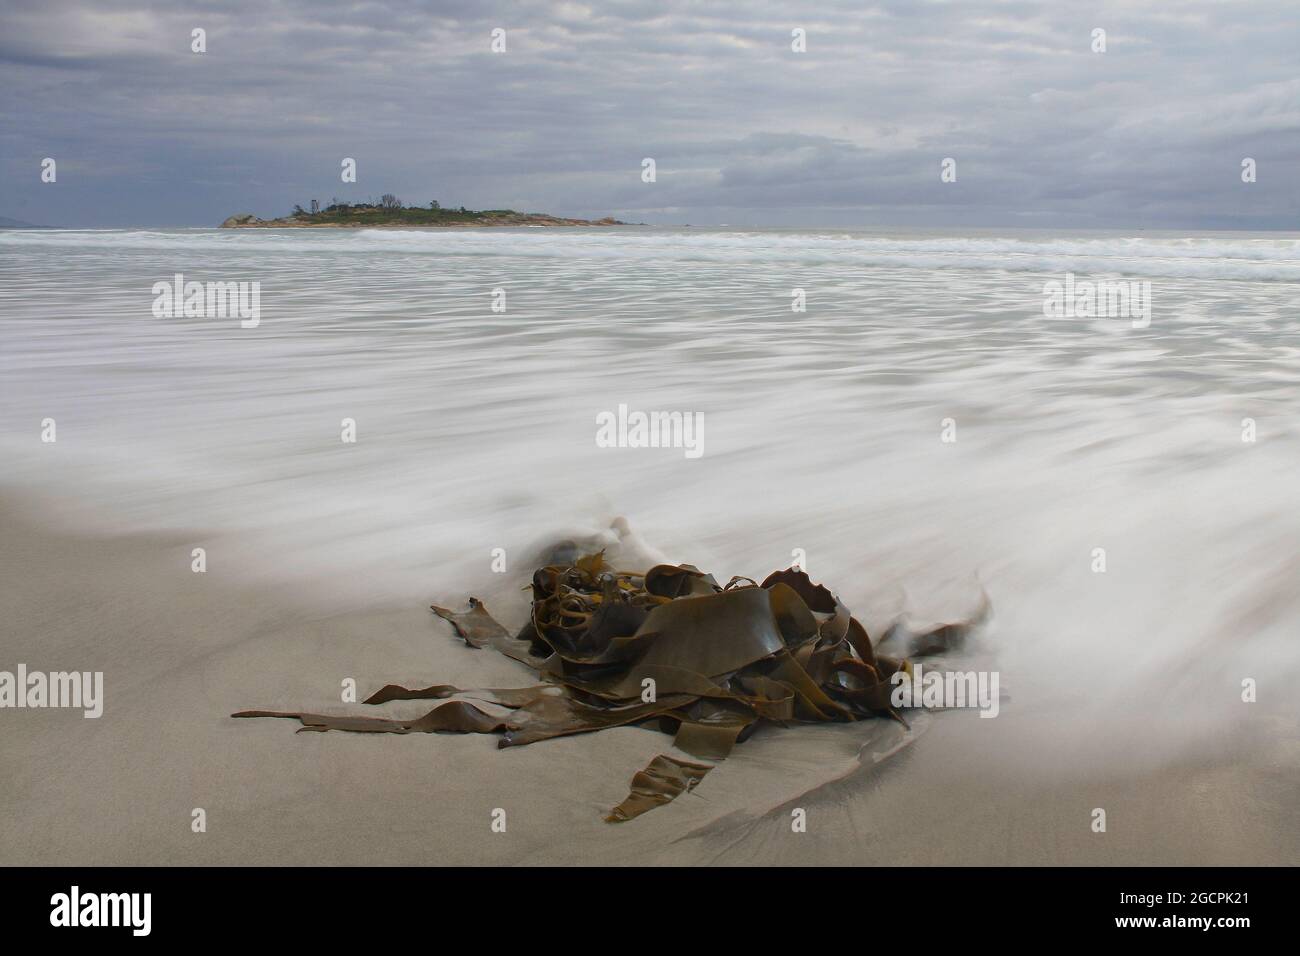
(182, 651)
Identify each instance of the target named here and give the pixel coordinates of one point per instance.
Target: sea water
(896, 411)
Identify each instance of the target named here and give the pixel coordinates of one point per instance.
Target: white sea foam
(1251, 259)
(476, 429)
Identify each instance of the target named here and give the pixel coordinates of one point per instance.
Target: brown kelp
(668, 647)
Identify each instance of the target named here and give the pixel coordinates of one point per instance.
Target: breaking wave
(1229, 258)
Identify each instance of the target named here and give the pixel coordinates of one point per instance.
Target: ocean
(1124, 490)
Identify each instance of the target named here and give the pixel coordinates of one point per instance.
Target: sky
(1045, 131)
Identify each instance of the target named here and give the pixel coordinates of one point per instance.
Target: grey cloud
(1149, 134)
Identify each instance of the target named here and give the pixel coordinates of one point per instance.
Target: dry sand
(181, 651)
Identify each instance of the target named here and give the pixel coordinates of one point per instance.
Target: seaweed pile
(669, 647)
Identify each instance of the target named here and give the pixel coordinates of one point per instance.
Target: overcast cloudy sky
(1045, 132)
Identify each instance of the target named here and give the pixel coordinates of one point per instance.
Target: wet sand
(181, 651)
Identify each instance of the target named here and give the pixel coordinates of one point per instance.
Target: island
(392, 212)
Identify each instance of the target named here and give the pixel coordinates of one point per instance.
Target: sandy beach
(181, 651)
